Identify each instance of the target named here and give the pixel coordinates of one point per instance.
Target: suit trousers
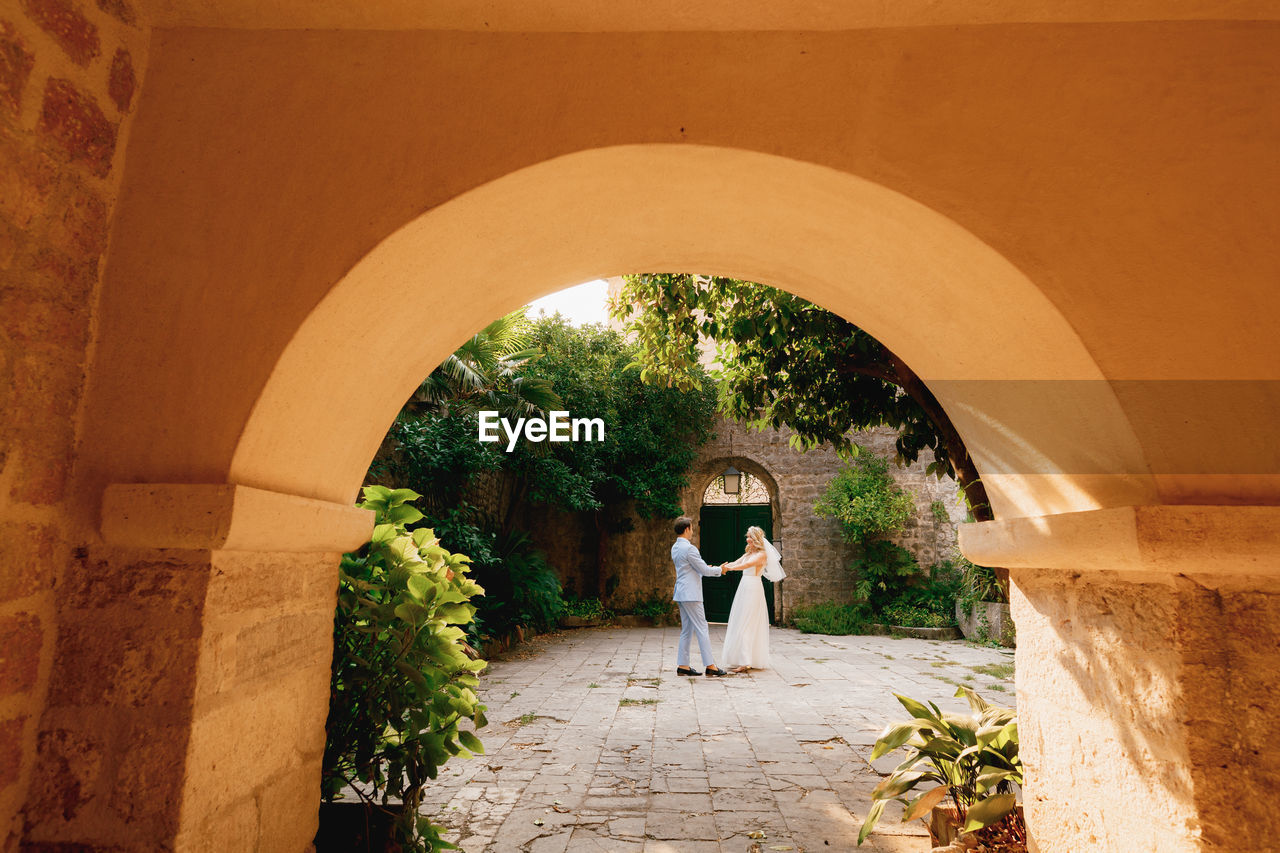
(693, 621)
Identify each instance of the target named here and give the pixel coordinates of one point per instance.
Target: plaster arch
(810, 229)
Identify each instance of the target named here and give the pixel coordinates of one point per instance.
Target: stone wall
(815, 555)
(69, 70)
(1146, 694)
(813, 550)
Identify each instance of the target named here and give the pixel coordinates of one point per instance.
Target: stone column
(1148, 674)
(190, 681)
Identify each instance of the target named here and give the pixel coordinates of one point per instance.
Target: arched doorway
(304, 420)
(300, 412)
(723, 520)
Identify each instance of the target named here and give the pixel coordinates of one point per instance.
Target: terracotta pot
(943, 825)
(944, 828)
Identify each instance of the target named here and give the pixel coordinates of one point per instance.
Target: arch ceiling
(677, 15)
(1069, 259)
(911, 277)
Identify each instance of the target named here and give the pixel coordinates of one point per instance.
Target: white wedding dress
(746, 639)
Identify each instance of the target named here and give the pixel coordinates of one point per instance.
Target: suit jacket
(690, 569)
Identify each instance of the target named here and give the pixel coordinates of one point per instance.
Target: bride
(746, 639)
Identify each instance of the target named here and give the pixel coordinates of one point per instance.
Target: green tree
(651, 438)
(488, 372)
(432, 444)
(787, 362)
(865, 500)
(869, 505)
(652, 433)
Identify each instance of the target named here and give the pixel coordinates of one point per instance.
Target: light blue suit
(690, 570)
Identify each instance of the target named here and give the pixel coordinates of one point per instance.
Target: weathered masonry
(1062, 215)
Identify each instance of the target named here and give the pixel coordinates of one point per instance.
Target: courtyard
(595, 744)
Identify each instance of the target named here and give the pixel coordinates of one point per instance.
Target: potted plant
(971, 760)
(982, 607)
(403, 682)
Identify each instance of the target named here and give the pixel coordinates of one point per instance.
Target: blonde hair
(756, 535)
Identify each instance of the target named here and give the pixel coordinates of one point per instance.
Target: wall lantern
(732, 480)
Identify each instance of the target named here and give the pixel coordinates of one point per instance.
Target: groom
(690, 569)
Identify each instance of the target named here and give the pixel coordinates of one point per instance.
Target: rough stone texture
(1228, 638)
(108, 687)
(122, 81)
(11, 750)
(206, 698)
(20, 640)
(57, 190)
(63, 20)
(120, 10)
(1147, 696)
(74, 120)
(698, 764)
(815, 555)
(16, 62)
(262, 696)
(26, 559)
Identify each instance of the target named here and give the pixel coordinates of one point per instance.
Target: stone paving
(595, 744)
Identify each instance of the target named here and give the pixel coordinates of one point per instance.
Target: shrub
(521, 587)
(979, 583)
(927, 601)
(883, 570)
(940, 513)
(911, 616)
(866, 501)
(655, 607)
(586, 608)
(831, 618)
(402, 677)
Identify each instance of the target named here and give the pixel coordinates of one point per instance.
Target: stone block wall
(814, 552)
(69, 73)
(1142, 695)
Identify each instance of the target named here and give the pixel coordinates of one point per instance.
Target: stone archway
(719, 591)
(299, 454)
(1052, 230)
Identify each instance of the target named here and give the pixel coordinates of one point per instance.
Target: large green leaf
(396, 497)
(976, 702)
(989, 810)
(988, 779)
(422, 588)
(376, 493)
(471, 742)
(922, 804)
(897, 785)
(918, 710)
(404, 514)
(873, 817)
(893, 737)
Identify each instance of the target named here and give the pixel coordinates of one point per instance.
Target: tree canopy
(522, 367)
(785, 362)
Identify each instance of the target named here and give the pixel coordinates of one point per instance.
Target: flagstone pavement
(595, 744)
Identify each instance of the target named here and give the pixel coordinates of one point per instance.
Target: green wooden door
(723, 538)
